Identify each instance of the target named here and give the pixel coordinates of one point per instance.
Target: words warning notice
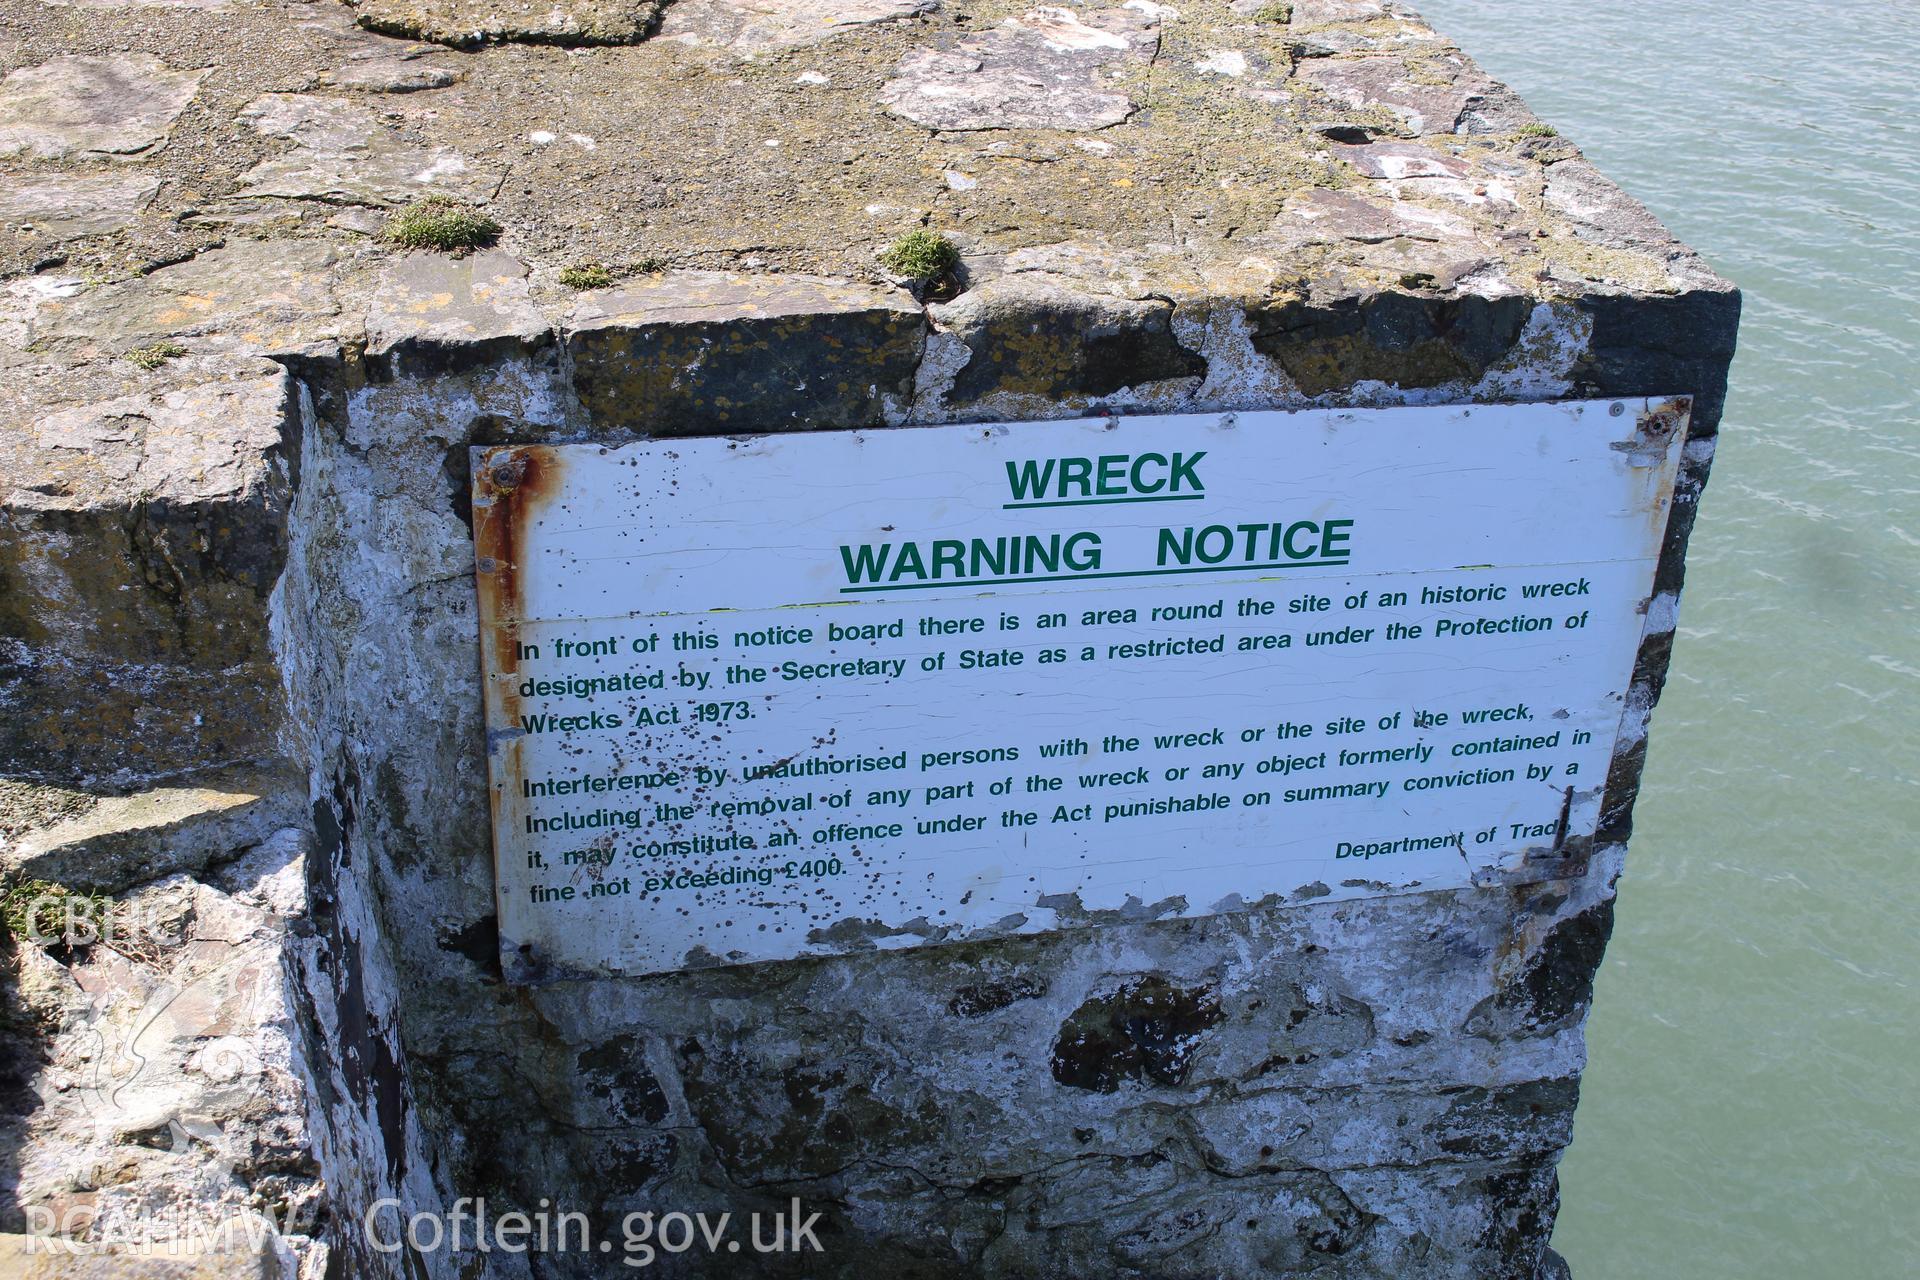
(757, 698)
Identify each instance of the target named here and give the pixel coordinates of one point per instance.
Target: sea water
(1751, 1108)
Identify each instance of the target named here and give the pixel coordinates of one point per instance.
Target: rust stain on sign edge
(511, 486)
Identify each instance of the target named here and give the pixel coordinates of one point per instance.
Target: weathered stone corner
(142, 538)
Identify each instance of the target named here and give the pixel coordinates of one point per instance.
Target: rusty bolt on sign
(506, 472)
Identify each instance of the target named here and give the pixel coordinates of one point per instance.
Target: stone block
(254, 298)
(344, 153)
(1046, 69)
(771, 352)
(28, 1258)
(435, 314)
(753, 26)
(465, 23)
(122, 841)
(140, 538)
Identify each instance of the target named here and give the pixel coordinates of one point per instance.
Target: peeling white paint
(1663, 613)
(1541, 364)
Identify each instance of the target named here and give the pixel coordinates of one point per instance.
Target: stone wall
(243, 570)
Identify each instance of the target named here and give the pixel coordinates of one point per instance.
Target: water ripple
(1753, 1099)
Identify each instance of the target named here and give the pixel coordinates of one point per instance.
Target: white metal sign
(764, 697)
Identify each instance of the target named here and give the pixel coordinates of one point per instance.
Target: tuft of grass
(155, 354)
(1278, 11)
(586, 275)
(52, 915)
(651, 266)
(443, 224)
(921, 256)
(1536, 129)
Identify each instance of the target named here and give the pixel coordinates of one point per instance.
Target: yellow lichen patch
(1571, 259)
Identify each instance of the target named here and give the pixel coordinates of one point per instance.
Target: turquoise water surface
(1752, 1104)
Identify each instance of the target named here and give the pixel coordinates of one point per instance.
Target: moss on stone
(443, 224)
(921, 256)
(586, 275)
(46, 914)
(1278, 11)
(155, 354)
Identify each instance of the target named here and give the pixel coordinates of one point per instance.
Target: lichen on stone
(155, 354)
(466, 23)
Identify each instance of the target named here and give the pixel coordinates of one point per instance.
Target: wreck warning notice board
(756, 698)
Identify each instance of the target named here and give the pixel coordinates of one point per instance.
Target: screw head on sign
(507, 472)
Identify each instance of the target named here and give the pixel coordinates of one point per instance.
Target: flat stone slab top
(1234, 147)
(91, 106)
(69, 205)
(1047, 69)
(1214, 205)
